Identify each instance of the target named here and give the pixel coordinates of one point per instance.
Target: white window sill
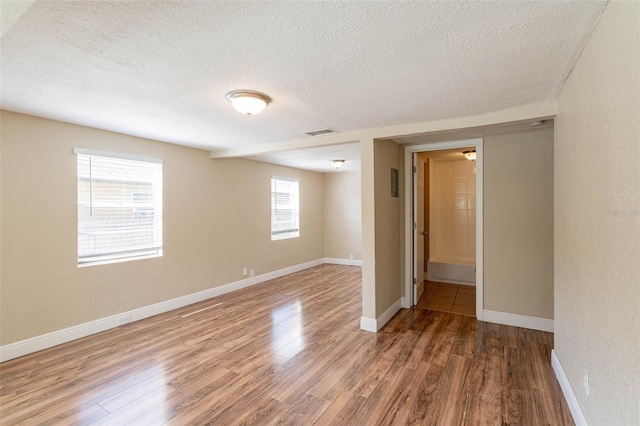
(119, 260)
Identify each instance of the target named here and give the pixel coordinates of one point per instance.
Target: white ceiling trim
(539, 110)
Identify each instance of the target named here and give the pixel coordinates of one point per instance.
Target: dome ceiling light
(470, 155)
(336, 164)
(248, 102)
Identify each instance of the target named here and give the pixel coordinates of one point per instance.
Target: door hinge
(415, 281)
(414, 225)
(414, 169)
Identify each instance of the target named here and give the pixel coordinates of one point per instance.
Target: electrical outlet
(351, 256)
(251, 272)
(124, 320)
(585, 381)
(244, 271)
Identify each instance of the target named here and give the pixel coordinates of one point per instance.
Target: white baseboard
(374, 325)
(38, 343)
(388, 314)
(534, 323)
(567, 390)
(336, 261)
(368, 324)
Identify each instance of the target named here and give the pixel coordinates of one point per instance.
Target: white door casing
(418, 231)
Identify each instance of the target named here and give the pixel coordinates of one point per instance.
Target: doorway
(416, 231)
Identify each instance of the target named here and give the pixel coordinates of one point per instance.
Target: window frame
(279, 235)
(125, 254)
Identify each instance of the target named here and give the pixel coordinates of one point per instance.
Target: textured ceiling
(161, 69)
(316, 159)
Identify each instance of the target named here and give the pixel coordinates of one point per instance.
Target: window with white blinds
(119, 208)
(285, 208)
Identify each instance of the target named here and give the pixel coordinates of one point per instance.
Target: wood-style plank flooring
(290, 351)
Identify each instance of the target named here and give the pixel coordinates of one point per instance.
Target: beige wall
(597, 220)
(388, 225)
(342, 216)
(452, 229)
(367, 188)
(216, 220)
(518, 223)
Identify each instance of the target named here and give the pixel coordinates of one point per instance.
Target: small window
(285, 208)
(119, 208)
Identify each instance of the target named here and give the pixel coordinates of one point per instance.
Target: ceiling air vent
(321, 132)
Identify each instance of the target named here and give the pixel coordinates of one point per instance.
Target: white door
(419, 233)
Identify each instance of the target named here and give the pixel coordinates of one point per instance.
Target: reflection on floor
(442, 297)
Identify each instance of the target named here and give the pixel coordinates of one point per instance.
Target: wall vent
(321, 132)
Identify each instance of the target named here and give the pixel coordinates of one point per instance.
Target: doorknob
(425, 234)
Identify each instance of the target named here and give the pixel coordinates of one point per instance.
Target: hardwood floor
(290, 352)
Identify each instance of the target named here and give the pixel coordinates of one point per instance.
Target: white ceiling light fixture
(336, 164)
(470, 155)
(248, 102)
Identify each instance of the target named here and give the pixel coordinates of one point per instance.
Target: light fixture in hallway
(336, 164)
(470, 155)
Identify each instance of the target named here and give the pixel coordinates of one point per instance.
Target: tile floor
(442, 297)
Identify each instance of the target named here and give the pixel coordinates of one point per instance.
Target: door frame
(416, 273)
(478, 143)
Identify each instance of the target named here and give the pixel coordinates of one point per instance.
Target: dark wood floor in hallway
(290, 351)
